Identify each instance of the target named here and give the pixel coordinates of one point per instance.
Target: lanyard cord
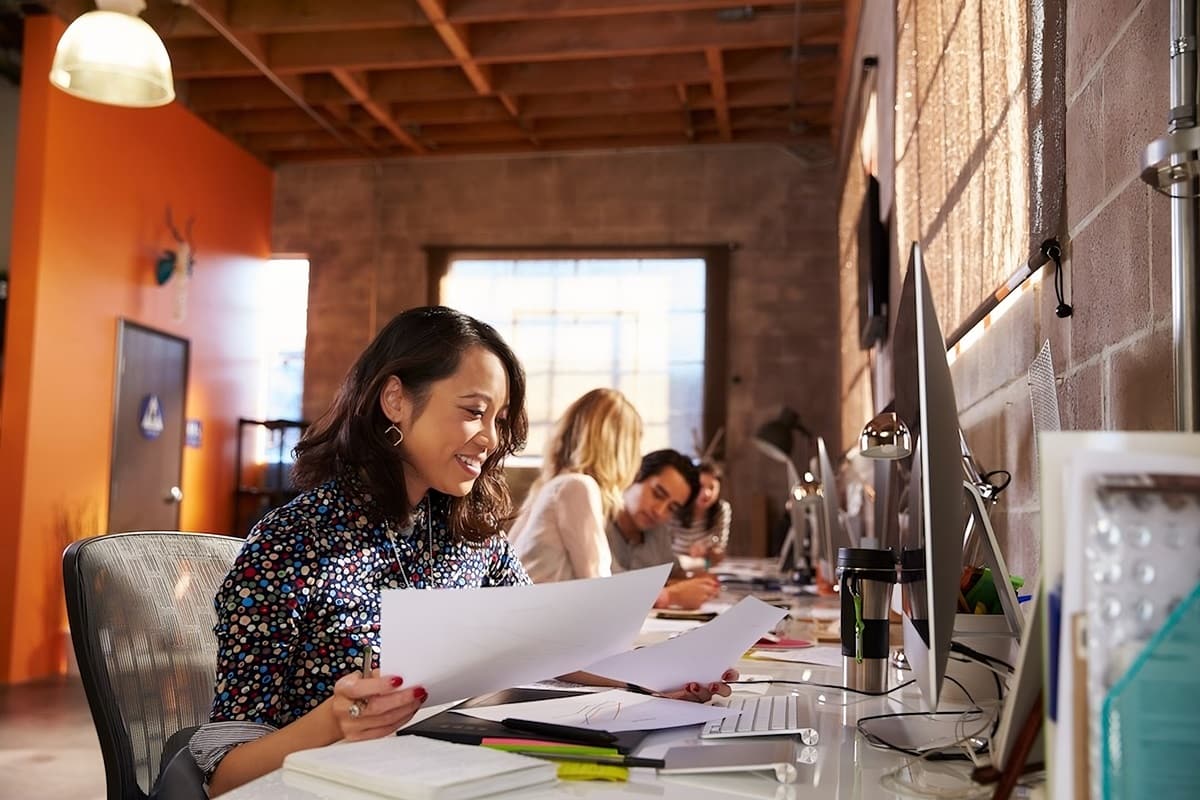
(429, 533)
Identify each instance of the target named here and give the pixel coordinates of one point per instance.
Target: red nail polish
(712, 687)
(420, 694)
(397, 681)
(693, 687)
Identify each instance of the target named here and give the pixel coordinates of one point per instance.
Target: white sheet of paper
(825, 655)
(613, 711)
(701, 655)
(464, 642)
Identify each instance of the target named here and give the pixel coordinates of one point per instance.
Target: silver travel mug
(867, 577)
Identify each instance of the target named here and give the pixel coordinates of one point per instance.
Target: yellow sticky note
(576, 771)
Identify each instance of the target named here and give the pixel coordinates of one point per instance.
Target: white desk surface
(846, 766)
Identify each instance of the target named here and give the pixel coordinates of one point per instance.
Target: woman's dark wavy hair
(709, 467)
(420, 347)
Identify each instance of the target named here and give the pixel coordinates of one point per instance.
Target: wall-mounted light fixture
(112, 56)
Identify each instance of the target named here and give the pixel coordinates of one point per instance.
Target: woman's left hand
(703, 692)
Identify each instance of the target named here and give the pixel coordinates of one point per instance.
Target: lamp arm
(793, 476)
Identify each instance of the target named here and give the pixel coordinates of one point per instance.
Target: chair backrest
(140, 606)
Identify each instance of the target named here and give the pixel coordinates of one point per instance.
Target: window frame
(717, 260)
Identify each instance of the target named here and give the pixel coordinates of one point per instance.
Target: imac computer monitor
(931, 552)
(833, 534)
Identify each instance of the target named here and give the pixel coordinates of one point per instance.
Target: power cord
(932, 754)
(997, 488)
(983, 658)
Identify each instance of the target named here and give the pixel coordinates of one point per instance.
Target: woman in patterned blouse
(402, 489)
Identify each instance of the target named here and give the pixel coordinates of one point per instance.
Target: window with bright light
(632, 324)
(282, 327)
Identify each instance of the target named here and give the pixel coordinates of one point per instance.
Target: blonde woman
(591, 458)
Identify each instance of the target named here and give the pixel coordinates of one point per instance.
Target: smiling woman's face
(447, 442)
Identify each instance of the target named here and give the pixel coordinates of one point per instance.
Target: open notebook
(416, 768)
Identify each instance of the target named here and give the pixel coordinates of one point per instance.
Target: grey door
(148, 430)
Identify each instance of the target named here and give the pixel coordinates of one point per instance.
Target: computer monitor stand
(793, 543)
(993, 558)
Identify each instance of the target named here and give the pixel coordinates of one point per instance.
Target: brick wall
(363, 226)
(1113, 357)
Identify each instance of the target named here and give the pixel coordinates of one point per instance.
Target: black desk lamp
(774, 438)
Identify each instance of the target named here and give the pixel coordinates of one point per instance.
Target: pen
(616, 761)
(564, 732)
(368, 657)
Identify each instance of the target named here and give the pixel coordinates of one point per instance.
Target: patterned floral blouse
(303, 597)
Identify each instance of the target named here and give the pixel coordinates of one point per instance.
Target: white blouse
(559, 534)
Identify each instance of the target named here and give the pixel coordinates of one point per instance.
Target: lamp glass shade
(808, 492)
(113, 58)
(885, 437)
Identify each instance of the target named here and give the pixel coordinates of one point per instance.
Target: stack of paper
(416, 768)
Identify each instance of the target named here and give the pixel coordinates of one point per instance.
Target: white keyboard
(774, 715)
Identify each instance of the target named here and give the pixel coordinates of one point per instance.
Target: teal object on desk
(1150, 721)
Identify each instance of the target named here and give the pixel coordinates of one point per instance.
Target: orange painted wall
(93, 183)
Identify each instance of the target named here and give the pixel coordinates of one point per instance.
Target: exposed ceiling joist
(317, 79)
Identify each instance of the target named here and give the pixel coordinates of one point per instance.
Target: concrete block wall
(363, 227)
(1113, 358)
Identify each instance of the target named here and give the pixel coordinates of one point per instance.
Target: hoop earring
(399, 435)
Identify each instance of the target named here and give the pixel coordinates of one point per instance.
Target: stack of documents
(416, 768)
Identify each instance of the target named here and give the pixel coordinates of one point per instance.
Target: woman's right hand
(690, 593)
(383, 706)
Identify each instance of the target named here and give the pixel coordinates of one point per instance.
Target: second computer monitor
(931, 553)
(832, 534)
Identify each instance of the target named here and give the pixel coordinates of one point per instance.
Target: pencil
(368, 657)
(616, 761)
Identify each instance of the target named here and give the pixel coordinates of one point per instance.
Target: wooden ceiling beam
(544, 40)
(300, 16)
(584, 127)
(238, 94)
(600, 74)
(590, 143)
(583, 104)
(355, 85)
(420, 85)
(775, 64)
(294, 140)
(173, 21)
(778, 93)
(480, 132)
(846, 48)
(454, 36)
(344, 115)
(278, 120)
(212, 57)
(644, 34)
(515, 10)
(387, 48)
(451, 112)
(716, 76)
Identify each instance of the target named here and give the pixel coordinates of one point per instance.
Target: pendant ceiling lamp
(112, 56)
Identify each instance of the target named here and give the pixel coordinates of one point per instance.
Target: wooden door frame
(122, 324)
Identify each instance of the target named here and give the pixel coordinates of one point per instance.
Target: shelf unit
(261, 487)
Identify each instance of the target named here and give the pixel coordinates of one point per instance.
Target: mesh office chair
(141, 614)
